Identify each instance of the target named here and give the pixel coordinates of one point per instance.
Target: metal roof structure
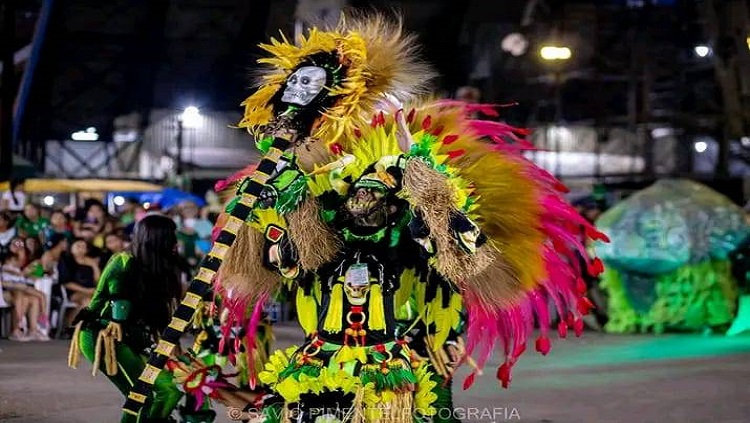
(633, 61)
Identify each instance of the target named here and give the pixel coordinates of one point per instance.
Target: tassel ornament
(335, 312)
(377, 310)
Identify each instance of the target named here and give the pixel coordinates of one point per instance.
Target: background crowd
(52, 257)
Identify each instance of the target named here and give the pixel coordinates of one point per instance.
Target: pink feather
(565, 231)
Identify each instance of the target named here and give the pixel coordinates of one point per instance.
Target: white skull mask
(304, 85)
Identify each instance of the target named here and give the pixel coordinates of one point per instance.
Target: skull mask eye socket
(304, 85)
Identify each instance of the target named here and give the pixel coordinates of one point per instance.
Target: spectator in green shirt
(31, 223)
(128, 211)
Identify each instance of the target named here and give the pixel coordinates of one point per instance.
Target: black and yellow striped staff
(201, 283)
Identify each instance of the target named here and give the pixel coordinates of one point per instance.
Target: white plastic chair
(65, 305)
(45, 285)
(5, 317)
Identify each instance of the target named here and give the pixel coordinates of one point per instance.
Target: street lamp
(515, 44)
(558, 54)
(555, 53)
(702, 50)
(88, 135)
(189, 118)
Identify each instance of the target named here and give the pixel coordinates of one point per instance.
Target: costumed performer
(362, 216)
(133, 301)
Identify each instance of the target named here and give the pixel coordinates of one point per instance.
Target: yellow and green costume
(361, 206)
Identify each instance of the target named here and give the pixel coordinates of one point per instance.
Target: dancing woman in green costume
(133, 302)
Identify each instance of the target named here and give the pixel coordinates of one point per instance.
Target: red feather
(336, 148)
(410, 116)
(596, 235)
(455, 153)
(578, 327)
(427, 122)
(584, 305)
(503, 374)
(450, 139)
(543, 344)
(469, 381)
(596, 267)
(559, 186)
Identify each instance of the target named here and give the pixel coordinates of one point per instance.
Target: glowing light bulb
(702, 51)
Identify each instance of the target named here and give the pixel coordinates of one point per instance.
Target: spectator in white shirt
(13, 200)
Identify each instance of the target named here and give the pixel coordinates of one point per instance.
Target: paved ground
(598, 378)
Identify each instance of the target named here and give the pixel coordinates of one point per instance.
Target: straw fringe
(74, 352)
(433, 197)
(242, 270)
(315, 242)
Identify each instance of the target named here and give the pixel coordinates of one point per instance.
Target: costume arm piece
(453, 240)
(242, 272)
(296, 239)
(433, 331)
(279, 253)
(110, 289)
(120, 310)
(453, 179)
(113, 278)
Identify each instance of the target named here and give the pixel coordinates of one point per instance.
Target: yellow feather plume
(380, 60)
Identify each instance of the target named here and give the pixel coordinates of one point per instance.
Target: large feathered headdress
(366, 57)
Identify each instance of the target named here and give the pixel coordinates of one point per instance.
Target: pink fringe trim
(510, 328)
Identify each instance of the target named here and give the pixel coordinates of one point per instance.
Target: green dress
(111, 303)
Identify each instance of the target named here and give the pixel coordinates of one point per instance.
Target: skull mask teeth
(356, 294)
(304, 85)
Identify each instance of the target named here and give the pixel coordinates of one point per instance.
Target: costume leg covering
(444, 402)
(130, 365)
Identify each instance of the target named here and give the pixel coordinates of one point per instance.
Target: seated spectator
(59, 224)
(34, 248)
(7, 233)
(55, 247)
(14, 200)
(129, 212)
(29, 303)
(114, 242)
(31, 224)
(78, 274)
(94, 224)
(191, 229)
(204, 225)
(34, 270)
